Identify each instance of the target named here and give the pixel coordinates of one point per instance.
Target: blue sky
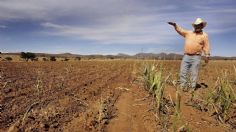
(113, 26)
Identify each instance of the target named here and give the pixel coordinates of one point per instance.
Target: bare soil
(96, 96)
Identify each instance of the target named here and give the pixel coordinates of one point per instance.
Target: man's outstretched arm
(181, 31)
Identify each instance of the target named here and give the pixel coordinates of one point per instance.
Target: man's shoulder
(205, 34)
(188, 31)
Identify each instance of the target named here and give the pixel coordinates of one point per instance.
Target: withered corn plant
(149, 76)
(155, 84)
(222, 98)
(176, 118)
(234, 75)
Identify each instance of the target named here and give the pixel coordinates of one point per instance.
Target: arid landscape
(112, 96)
(117, 66)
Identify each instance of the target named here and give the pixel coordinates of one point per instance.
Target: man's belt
(192, 54)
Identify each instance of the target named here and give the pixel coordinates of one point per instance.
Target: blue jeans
(189, 70)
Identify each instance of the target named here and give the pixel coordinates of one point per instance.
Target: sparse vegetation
(53, 58)
(219, 101)
(178, 123)
(88, 94)
(222, 98)
(28, 56)
(155, 85)
(45, 59)
(110, 57)
(35, 59)
(66, 59)
(78, 58)
(8, 59)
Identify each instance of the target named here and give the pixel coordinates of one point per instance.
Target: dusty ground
(95, 96)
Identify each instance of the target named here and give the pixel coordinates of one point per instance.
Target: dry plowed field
(99, 96)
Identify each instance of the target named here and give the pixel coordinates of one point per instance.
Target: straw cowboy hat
(199, 21)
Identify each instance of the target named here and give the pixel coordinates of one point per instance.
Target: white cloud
(126, 29)
(3, 26)
(220, 31)
(53, 9)
(118, 21)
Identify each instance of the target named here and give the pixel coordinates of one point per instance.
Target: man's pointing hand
(172, 23)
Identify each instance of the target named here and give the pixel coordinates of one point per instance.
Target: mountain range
(159, 56)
